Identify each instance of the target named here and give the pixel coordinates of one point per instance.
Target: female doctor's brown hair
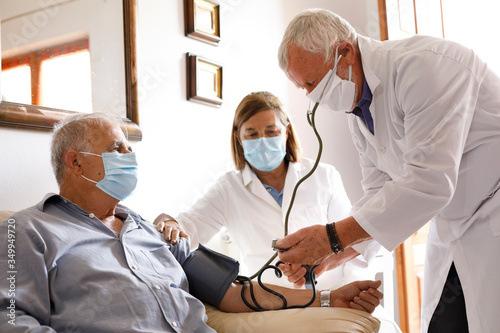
(252, 104)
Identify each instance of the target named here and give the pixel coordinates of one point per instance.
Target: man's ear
(348, 52)
(72, 160)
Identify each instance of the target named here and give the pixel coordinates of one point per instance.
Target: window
(58, 76)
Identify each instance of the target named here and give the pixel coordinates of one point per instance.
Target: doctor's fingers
(173, 231)
(160, 226)
(300, 256)
(310, 249)
(321, 268)
(311, 254)
(308, 246)
(298, 279)
(295, 274)
(305, 235)
(289, 269)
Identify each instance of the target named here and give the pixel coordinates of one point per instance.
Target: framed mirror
(91, 43)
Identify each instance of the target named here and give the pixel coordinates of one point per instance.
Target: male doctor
(424, 114)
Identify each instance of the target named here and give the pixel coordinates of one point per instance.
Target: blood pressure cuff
(210, 274)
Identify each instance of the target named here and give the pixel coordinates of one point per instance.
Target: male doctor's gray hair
(72, 133)
(318, 31)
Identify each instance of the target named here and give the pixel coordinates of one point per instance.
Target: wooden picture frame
(202, 20)
(43, 118)
(204, 80)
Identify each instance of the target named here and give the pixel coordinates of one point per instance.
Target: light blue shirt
(72, 273)
(278, 196)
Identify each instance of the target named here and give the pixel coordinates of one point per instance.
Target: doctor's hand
(359, 295)
(307, 246)
(171, 228)
(295, 273)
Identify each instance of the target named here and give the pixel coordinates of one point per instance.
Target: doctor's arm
(359, 295)
(339, 207)
(170, 227)
(295, 272)
(202, 220)
(311, 245)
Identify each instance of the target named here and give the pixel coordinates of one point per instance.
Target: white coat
(435, 155)
(240, 202)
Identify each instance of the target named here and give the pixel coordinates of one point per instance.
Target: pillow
(316, 320)
(4, 214)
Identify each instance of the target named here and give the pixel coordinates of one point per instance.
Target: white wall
(475, 25)
(186, 145)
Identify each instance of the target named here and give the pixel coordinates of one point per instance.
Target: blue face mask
(120, 176)
(264, 154)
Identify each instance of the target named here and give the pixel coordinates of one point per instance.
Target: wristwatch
(324, 298)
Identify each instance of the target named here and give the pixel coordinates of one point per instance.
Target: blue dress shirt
(72, 273)
(362, 109)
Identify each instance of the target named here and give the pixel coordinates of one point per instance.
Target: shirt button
(174, 324)
(382, 149)
(157, 287)
(91, 215)
(268, 189)
(134, 267)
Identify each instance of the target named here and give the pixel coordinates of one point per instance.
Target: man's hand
(171, 228)
(307, 246)
(295, 272)
(359, 295)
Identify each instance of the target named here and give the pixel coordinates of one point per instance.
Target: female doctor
(252, 201)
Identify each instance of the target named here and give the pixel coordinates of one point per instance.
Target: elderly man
(424, 114)
(85, 263)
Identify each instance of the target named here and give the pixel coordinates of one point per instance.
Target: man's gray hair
(71, 133)
(318, 31)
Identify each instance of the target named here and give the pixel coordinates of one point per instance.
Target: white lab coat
(241, 203)
(435, 154)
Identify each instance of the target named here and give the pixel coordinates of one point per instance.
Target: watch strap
(324, 298)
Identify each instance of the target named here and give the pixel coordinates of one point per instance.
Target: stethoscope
(310, 275)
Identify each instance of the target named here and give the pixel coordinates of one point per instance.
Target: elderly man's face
(109, 139)
(306, 69)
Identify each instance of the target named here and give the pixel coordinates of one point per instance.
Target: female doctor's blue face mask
(265, 153)
(120, 176)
